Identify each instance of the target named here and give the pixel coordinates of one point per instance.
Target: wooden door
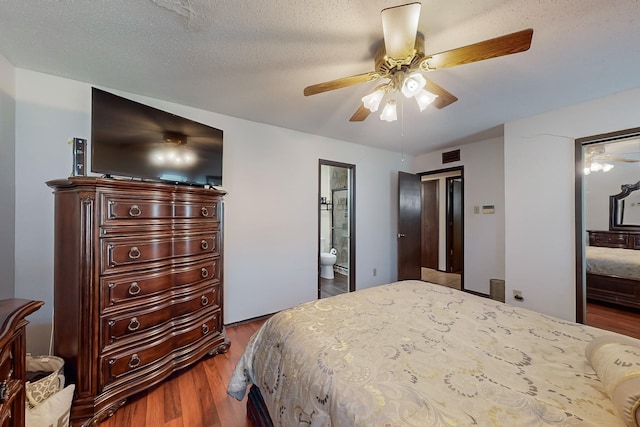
(454, 225)
(430, 223)
(409, 218)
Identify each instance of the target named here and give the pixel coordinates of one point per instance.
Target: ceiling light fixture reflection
(173, 157)
(597, 167)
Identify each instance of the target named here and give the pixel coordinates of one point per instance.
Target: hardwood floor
(623, 320)
(197, 396)
(451, 280)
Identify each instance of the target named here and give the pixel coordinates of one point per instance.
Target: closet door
(409, 218)
(430, 224)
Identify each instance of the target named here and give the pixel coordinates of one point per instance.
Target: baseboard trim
(480, 294)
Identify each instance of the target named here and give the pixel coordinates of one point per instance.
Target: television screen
(135, 140)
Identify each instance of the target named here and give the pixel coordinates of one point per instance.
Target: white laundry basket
(41, 389)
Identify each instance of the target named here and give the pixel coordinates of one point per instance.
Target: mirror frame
(614, 204)
(580, 235)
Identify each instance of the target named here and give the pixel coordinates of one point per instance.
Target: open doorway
(431, 227)
(336, 228)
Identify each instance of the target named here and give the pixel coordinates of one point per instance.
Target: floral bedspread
(413, 353)
(613, 262)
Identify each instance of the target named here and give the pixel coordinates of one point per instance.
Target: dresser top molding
(130, 184)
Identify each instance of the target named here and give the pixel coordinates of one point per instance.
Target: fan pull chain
(402, 129)
(402, 117)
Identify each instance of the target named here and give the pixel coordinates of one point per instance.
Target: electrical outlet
(375, 272)
(517, 295)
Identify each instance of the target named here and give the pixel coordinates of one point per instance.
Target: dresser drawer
(13, 391)
(158, 318)
(610, 240)
(140, 288)
(7, 365)
(120, 365)
(120, 253)
(126, 208)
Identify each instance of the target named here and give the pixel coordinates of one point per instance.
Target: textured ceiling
(252, 59)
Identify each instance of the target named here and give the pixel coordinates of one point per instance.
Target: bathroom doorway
(336, 228)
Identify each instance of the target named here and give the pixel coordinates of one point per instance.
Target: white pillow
(616, 361)
(52, 412)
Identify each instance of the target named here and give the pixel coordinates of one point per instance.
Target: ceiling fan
(401, 59)
(597, 159)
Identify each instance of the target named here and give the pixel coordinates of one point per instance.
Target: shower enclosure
(340, 228)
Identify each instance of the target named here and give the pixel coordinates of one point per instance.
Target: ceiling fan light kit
(411, 86)
(389, 112)
(402, 60)
(424, 99)
(372, 101)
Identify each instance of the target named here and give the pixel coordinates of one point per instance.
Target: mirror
(624, 208)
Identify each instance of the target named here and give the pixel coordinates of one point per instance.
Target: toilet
(327, 260)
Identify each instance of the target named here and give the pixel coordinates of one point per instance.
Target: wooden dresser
(138, 286)
(13, 359)
(615, 239)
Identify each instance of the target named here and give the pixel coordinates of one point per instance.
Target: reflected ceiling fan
(402, 60)
(597, 159)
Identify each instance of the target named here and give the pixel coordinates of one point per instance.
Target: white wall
(539, 197)
(7, 178)
(49, 112)
(483, 185)
(271, 211)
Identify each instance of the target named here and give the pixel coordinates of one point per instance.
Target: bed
(613, 267)
(413, 353)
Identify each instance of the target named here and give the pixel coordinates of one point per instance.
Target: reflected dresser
(13, 359)
(138, 286)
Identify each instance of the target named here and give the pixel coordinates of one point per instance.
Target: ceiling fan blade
(492, 48)
(621, 159)
(361, 114)
(444, 98)
(399, 28)
(340, 83)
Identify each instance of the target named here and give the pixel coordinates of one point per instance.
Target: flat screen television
(130, 139)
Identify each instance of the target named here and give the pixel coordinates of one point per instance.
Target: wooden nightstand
(13, 359)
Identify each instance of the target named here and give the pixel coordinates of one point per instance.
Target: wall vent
(451, 156)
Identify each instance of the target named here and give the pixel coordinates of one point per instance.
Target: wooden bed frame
(256, 409)
(614, 289)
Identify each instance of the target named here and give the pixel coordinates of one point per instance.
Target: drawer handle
(204, 211)
(134, 253)
(204, 245)
(204, 300)
(4, 391)
(134, 288)
(205, 329)
(134, 362)
(204, 273)
(134, 211)
(134, 324)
